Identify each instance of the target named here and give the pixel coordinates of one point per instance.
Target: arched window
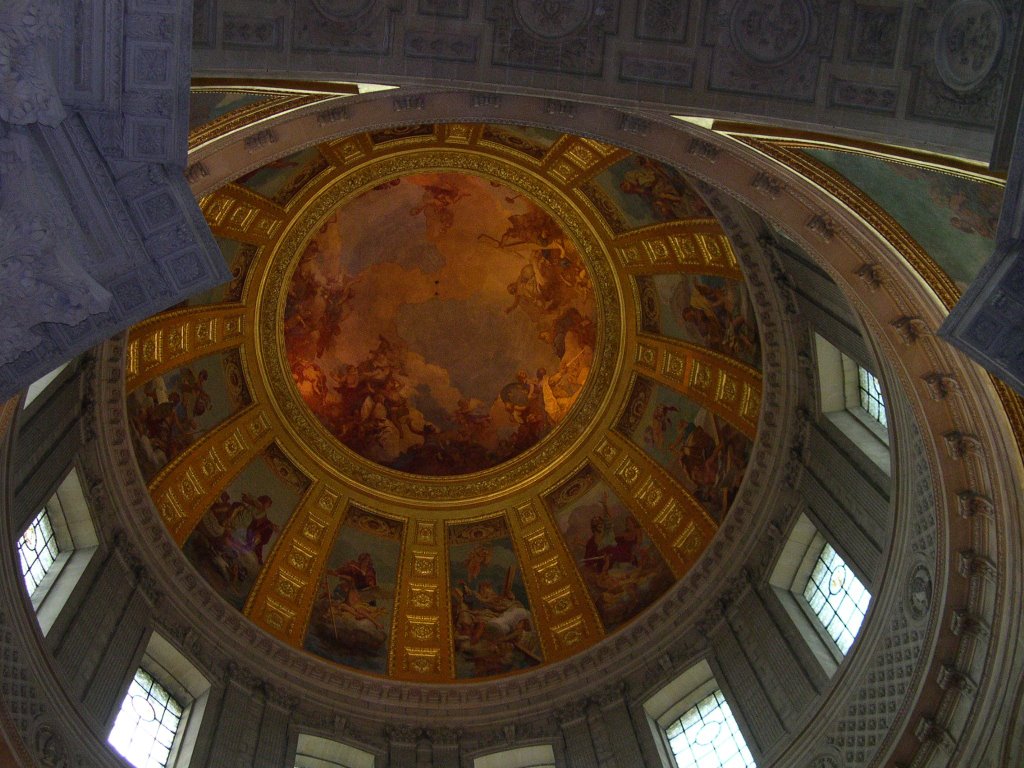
(537, 756)
(55, 548)
(851, 398)
(157, 723)
(317, 752)
(696, 723)
(821, 593)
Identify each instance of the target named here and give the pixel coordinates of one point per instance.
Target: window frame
(819, 550)
(75, 536)
(526, 756)
(789, 578)
(329, 753)
(187, 685)
(673, 700)
(839, 403)
(182, 706)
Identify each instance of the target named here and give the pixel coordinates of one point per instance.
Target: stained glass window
(144, 730)
(838, 598)
(707, 736)
(871, 396)
(37, 550)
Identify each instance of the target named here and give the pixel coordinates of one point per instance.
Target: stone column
(118, 663)
(747, 697)
(445, 745)
(272, 739)
(79, 651)
(234, 733)
(618, 725)
(402, 741)
(579, 748)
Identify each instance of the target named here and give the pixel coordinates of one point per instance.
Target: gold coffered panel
(240, 214)
(186, 488)
(676, 523)
(720, 383)
(574, 159)
(171, 339)
(421, 645)
(281, 600)
(556, 590)
(701, 249)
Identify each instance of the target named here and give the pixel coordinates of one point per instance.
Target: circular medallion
(919, 592)
(440, 324)
(968, 43)
(770, 31)
(553, 18)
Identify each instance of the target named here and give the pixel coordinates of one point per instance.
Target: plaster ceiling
(475, 398)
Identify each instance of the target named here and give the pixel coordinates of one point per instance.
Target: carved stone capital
(871, 275)
(966, 623)
(971, 503)
(909, 328)
(960, 445)
(941, 385)
(404, 734)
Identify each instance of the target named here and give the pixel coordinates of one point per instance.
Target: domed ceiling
(476, 397)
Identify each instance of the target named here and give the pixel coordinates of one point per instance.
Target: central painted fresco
(440, 324)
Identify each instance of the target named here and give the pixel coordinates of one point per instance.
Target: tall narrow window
(147, 723)
(55, 549)
(870, 392)
(37, 551)
(837, 597)
(707, 736)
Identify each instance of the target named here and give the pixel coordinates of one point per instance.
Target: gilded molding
(184, 490)
(170, 339)
(722, 384)
(674, 520)
(238, 213)
(293, 572)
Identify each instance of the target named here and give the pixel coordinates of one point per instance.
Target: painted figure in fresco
(260, 528)
(164, 419)
(492, 628)
(973, 207)
(372, 396)
(478, 558)
(605, 548)
(348, 615)
(436, 208)
(666, 193)
(231, 537)
(718, 321)
(712, 456)
(621, 568)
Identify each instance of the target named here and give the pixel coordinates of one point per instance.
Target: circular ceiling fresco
(440, 323)
(476, 397)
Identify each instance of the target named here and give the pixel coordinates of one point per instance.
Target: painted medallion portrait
(440, 324)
